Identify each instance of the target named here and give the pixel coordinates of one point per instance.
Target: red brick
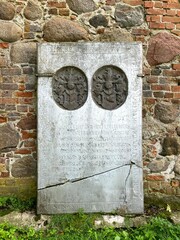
(133, 2)
(148, 18)
(3, 119)
(171, 12)
(4, 45)
(153, 11)
(177, 95)
(170, 26)
(4, 174)
(53, 11)
(160, 87)
(23, 151)
(173, 73)
(177, 32)
(150, 101)
(156, 18)
(158, 4)
(178, 13)
(24, 94)
(152, 79)
(148, 4)
(171, 19)
(57, 5)
(176, 66)
(168, 95)
(175, 183)
(8, 101)
(155, 178)
(21, 87)
(27, 135)
(140, 31)
(157, 25)
(25, 100)
(110, 2)
(178, 26)
(64, 12)
(172, 6)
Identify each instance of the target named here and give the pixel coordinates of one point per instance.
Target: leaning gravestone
(89, 128)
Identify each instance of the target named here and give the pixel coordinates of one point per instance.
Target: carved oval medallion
(109, 87)
(70, 88)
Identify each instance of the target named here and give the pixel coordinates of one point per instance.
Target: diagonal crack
(91, 176)
(125, 195)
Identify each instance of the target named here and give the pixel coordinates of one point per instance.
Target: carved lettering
(70, 88)
(109, 87)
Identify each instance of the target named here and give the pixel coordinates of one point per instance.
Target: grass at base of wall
(156, 229)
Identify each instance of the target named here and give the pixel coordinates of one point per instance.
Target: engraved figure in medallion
(70, 88)
(109, 87)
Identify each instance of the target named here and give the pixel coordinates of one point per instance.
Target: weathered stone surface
(170, 146)
(9, 137)
(23, 52)
(24, 167)
(175, 217)
(62, 30)
(178, 130)
(98, 20)
(90, 148)
(127, 16)
(177, 166)
(158, 165)
(7, 11)
(9, 31)
(116, 221)
(80, 6)
(163, 47)
(27, 123)
(166, 112)
(32, 11)
(117, 35)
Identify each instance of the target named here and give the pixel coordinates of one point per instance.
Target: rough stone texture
(24, 167)
(80, 6)
(23, 52)
(9, 137)
(9, 31)
(62, 30)
(90, 148)
(177, 166)
(27, 123)
(127, 16)
(178, 131)
(117, 35)
(175, 217)
(163, 47)
(25, 219)
(170, 146)
(158, 165)
(110, 221)
(166, 112)
(98, 20)
(32, 10)
(7, 11)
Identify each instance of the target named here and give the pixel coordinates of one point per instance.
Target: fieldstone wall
(155, 23)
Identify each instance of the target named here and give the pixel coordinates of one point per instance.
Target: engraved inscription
(109, 87)
(70, 88)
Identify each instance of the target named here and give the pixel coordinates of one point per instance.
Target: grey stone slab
(90, 157)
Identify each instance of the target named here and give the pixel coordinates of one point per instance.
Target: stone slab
(89, 158)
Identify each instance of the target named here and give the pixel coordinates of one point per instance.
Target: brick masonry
(25, 23)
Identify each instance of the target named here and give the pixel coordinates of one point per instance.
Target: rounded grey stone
(24, 167)
(127, 16)
(98, 20)
(32, 10)
(9, 31)
(62, 30)
(9, 137)
(23, 52)
(166, 112)
(158, 165)
(7, 11)
(80, 6)
(170, 146)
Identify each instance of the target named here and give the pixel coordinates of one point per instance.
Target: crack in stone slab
(125, 196)
(91, 176)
